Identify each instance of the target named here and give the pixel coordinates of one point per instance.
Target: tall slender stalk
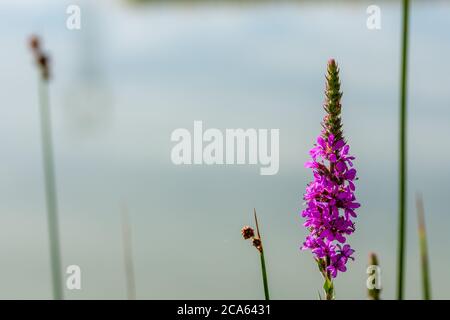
(402, 159)
(42, 63)
(328, 286)
(426, 286)
(330, 200)
(50, 190)
(263, 262)
(128, 256)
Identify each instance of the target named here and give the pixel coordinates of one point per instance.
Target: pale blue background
(152, 69)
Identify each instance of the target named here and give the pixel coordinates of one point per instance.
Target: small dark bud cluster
(248, 233)
(41, 58)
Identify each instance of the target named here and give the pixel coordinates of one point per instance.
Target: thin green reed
(50, 189)
(263, 262)
(128, 255)
(426, 285)
(49, 171)
(249, 234)
(402, 159)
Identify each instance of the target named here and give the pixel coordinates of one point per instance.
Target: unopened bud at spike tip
(331, 62)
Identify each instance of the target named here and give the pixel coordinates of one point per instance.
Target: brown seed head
(41, 59)
(34, 43)
(257, 244)
(43, 63)
(247, 232)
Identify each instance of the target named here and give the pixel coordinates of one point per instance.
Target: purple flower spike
(330, 199)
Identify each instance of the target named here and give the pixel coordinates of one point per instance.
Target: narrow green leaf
(263, 262)
(402, 157)
(426, 286)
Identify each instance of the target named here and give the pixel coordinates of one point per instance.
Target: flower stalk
(248, 233)
(128, 255)
(424, 261)
(42, 63)
(329, 198)
(402, 157)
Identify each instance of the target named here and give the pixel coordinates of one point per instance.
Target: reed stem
(426, 286)
(264, 276)
(50, 190)
(402, 159)
(263, 263)
(128, 256)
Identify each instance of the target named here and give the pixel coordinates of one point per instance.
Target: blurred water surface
(133, 74)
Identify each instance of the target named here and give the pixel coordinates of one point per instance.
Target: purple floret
(330, 203)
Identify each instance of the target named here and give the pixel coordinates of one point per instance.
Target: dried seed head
(257, 244)
(43, 62)
(247, 232)
(41, 59)
(34, 43)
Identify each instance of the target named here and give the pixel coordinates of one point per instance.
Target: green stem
(128, 256)
(423, 249)
(50, 190)
(329, 292)
(328, 285)
(264, 276)
(263, 262)
(402, 163)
